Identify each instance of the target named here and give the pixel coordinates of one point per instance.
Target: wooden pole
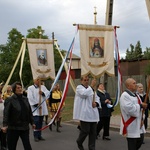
(145, 101)
(40, 98)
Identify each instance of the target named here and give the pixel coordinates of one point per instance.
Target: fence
(111, 85)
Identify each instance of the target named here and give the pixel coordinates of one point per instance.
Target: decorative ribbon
(119, 82)
(66, 68)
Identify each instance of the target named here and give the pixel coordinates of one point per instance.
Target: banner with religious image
(97, 49)
(148, 7)
(41, 58)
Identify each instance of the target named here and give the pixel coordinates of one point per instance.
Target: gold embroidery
(97, 66)
(39, 71)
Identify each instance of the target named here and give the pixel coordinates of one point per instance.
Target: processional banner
(96, 49)
(41, 58)
(148, 7)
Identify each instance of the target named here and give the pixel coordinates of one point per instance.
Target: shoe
(98, 136)
(36, 139)
(3, 148)
(50, 127)
(58, 130)
(54, 123)
(106, 138)
(80, 146)
(78, 127)
(41, 139)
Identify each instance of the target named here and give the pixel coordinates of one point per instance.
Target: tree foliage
(8, 55)
(135, 53)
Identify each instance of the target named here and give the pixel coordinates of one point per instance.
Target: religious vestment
(83, 109)
(130, 107)
(33, 96)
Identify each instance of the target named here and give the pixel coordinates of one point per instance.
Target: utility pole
(108, 21)
(109, 12)
(148, 7)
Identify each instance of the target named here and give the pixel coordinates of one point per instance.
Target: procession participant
(105, 112)
(35, 92)
(63, 106)
(3, 143)
(85, 110)
(8, 92)
(54, 102)
(131, 110)
(17, 117)
(142, 94)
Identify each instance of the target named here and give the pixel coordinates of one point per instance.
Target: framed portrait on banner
(96, 47)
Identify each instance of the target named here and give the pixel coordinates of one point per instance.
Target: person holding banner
(37, 95)
(131, 112)
(85, 110)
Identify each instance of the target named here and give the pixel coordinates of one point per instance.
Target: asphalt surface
(66, 140)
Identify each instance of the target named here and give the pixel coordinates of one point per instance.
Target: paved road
(66, 140)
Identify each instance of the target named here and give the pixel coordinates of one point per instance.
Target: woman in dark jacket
(17, 117)
(105, 112)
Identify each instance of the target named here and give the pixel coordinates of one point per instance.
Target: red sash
(130, 120)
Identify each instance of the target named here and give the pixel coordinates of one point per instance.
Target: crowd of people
(20, 109)
(93, 107)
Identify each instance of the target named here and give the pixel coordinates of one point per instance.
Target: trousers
(38, 120)
(88, 129)
(13, 136)
(135, 143)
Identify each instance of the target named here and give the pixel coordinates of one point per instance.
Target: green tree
(147, 53)
(8, 55)
(135, 52)
(138, 51)
(130, 53)
(36, 33)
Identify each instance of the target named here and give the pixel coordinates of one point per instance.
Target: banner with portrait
(41, 58)
(97, 49)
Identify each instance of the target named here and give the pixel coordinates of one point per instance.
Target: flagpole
(40, 96)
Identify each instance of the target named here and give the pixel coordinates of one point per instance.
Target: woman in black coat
(105, 111)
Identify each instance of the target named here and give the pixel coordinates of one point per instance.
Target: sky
(58, 16)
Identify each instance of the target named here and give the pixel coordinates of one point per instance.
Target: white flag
(41, 58)
(97, 49)
(148, 7)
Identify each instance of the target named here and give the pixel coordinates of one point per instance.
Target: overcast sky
(58, 16)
